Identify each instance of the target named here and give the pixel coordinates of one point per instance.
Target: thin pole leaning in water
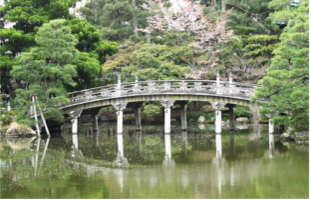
(44, 152)
(37, 156)
(35, 116)
(44, 122)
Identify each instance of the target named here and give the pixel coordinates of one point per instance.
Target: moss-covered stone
(16, 129)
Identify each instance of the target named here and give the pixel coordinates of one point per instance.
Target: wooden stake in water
(35, 116)
(44, 122)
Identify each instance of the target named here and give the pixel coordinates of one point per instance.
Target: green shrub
(7, 116)
(242, 111)
(193, 117)
(151, 109)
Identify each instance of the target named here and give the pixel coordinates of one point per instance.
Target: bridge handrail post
(136, 85)
(218, 85)
(230, 83)
(9, 106)
(136, 81)
(118, 89)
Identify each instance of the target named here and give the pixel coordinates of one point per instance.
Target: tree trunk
(135, 21)
(213, 4)
(223, 6)
(148, 36)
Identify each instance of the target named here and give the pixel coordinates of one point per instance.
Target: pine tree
(285, 92)
(46, 70)
(29, 16)
(117, 20)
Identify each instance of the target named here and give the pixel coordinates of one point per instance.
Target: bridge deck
(207, 90)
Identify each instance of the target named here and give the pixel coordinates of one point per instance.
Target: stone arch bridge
(169, 92)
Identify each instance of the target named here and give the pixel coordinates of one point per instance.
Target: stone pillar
(75, 141)
(231, 117)
(218, 121)
(74, 124)
(183, 117)
(119, 121)
(218, 116)
(167, 105)
(120, 145)
(75, 115)
(119, 112)
(271, 126)
(138, 119)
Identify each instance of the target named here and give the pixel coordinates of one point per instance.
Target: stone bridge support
(137, 109)
(167, 105)
(255, 116)
(94, 112)
(218, 116)
(183, 112)
(119, 112)
(271, 126)
(231, 116)
(74, 121)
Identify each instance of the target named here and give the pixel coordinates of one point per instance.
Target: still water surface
(195, 164)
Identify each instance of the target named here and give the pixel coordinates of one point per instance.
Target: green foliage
(88, 68)
(260, 45)
(114, 19)
(285, 94)
(250, 17)
(151, 62)
(193, 116)
(29, 16)
(242, 111)
(151, 108)
(89, 39)
(46, 70)
(7, 116)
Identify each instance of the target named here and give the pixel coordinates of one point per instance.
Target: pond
(247, 163)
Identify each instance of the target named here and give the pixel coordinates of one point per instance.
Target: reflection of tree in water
(41, 178)
(192, 171)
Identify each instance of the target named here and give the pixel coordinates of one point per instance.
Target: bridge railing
(165, 87)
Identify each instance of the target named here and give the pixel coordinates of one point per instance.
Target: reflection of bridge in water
(218, 161)
(217, 168)
(218, 93)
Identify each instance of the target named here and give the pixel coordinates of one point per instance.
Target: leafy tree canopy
(150, 61)
(116, 19)
(46, 70)
(29, 16)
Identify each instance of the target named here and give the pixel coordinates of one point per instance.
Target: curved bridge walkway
(219, 93)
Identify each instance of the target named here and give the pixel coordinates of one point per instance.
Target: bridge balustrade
(161, 87)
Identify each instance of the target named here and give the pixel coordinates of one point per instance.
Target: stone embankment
(298, 137)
